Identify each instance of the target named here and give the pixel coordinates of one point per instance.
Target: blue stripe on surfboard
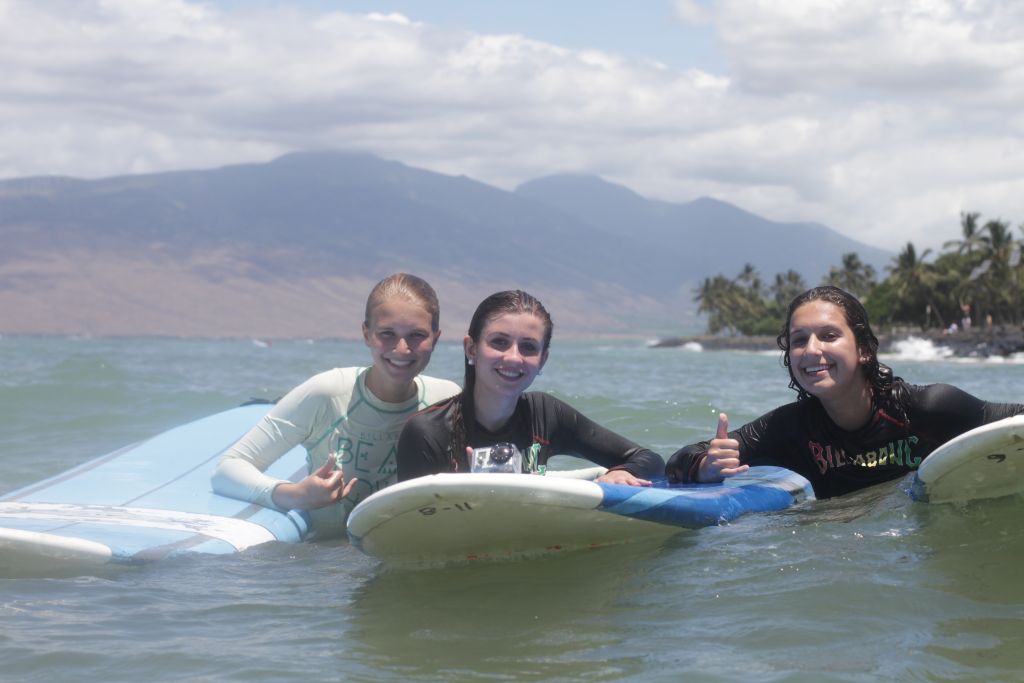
(916, 489)
(698, 505)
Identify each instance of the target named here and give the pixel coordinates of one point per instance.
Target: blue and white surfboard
(760, 489)
(458, 517)
(144, 502)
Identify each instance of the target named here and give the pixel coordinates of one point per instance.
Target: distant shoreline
(973, 343)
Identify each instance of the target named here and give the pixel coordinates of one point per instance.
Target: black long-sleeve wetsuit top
(802, 437)
(541, 426)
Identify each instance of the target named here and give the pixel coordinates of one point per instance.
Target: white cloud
(691, 12)
(882, 119)
(916, 102)
(877, 47)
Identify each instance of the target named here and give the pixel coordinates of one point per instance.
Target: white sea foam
(915, 348)
(692, 346)
(1012, 359)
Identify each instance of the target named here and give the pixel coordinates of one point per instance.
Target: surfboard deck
(144, 502)
(986, 462)
(463, 517)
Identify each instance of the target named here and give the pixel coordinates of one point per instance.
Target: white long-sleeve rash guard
(334, 416)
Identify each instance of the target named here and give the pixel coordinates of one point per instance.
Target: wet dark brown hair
(496, 305)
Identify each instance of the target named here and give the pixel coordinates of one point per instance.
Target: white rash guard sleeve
(334, 416)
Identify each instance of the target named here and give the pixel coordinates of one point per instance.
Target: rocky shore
(972, 343)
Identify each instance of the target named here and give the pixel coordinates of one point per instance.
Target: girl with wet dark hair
(853, 424)
(505, 349)
(880, 376)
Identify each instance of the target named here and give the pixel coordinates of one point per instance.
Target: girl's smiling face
(509, 355)
(401, 340)
(823, 352)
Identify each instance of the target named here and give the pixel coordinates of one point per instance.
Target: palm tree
(995, 278)
(736, 305)
(786, 287)
(855, 276)
(914, 279)
(720, 298)
(751, 279)
(998, 239)
(973, 238)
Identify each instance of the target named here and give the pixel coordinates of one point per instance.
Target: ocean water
(865, 588)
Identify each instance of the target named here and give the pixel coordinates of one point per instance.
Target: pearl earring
(469, 361)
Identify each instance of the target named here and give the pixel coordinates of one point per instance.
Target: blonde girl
(348, 419)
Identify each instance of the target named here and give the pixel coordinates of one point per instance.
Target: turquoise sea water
(870, 587)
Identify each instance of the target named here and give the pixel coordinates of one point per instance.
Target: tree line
(978, 275)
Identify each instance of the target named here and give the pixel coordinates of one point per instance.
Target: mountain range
(290, 248)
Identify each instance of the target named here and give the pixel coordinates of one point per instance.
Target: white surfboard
(144, 502)
(459, 517)
(986, 462)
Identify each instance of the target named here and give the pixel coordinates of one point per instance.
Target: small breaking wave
(916, 348)
(924, 350)
(675, 343)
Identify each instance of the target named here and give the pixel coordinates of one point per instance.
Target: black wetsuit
(541, 426)
(802, 437)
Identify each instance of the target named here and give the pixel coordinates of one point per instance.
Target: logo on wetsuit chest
(372, 459)
(895, 453)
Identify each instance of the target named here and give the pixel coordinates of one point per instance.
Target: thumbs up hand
(723, 456)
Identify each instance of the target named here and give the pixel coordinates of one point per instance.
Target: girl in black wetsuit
(505, 349)
(853, 424)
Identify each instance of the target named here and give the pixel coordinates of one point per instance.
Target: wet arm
(761, 442)
(580, 436)
(944, 411)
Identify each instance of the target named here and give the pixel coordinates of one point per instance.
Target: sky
(883, 119)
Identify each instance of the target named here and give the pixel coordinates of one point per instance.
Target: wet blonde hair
(407, 288)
